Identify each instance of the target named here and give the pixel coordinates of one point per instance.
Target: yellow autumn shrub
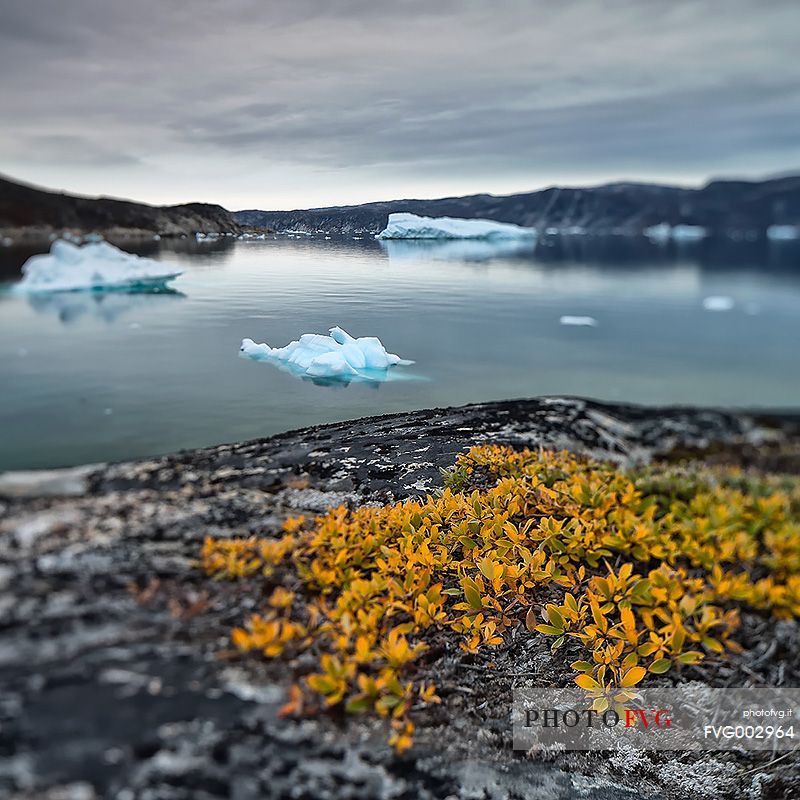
(645, 569)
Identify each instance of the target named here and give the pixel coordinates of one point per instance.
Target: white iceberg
(718, 303)
(96, 265)
(663, 232)
(689, 233)
(411, 226)
(338, 357)
(659, 233)
(578, 321)
(783, 233)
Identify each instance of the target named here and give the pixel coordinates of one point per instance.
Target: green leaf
(602, 585)
(690, 657)
(357, 704)
(570, 602)
(660, 665)
(677, 640)
(471, 593)
(713, 644)
(549, 630)
(554, 615)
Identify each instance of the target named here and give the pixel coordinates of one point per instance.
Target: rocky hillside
(723, 207)
(26, 211)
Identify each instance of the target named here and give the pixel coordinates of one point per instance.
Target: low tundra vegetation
(645, 570)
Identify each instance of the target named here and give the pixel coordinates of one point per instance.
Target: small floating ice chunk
(338, 356)
(411, 226)
(572, 320)
(718, 303)
(658, 233)
(689, 233)
(783, 233)
(663, 232)
(97, 265)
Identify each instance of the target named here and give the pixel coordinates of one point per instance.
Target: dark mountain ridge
(28, 211)
(721, 206)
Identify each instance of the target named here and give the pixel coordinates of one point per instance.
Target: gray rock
(112, 676)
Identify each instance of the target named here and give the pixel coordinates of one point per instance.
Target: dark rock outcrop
(114, 678)
(723, 207)
(29, 211)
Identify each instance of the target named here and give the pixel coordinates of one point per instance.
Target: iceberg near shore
(335, 358)
(410, 226)
(94, 266)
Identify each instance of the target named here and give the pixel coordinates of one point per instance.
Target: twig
(770, 763)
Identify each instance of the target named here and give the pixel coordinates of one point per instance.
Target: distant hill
(722, 206)
(28, 211)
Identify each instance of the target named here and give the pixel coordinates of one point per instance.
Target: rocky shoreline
(115, 665)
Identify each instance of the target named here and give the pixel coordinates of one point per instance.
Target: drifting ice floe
(783, 233)
(663, 232)
(410, 226)
(338, 357)
(716, 303)
(569, 320)
(97, 265)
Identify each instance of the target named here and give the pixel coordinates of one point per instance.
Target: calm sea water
(96, 377)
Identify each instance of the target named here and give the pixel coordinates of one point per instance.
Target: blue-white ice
(783, 233)
(718, 303)
(589, 322)
(97, 265)
(663, 232)
(338, 357)
(411, 226)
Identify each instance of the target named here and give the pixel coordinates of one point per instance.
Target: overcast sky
(266, 104)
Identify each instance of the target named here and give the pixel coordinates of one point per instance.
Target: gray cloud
(310, 103)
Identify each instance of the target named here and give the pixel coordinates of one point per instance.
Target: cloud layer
(279, 105)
